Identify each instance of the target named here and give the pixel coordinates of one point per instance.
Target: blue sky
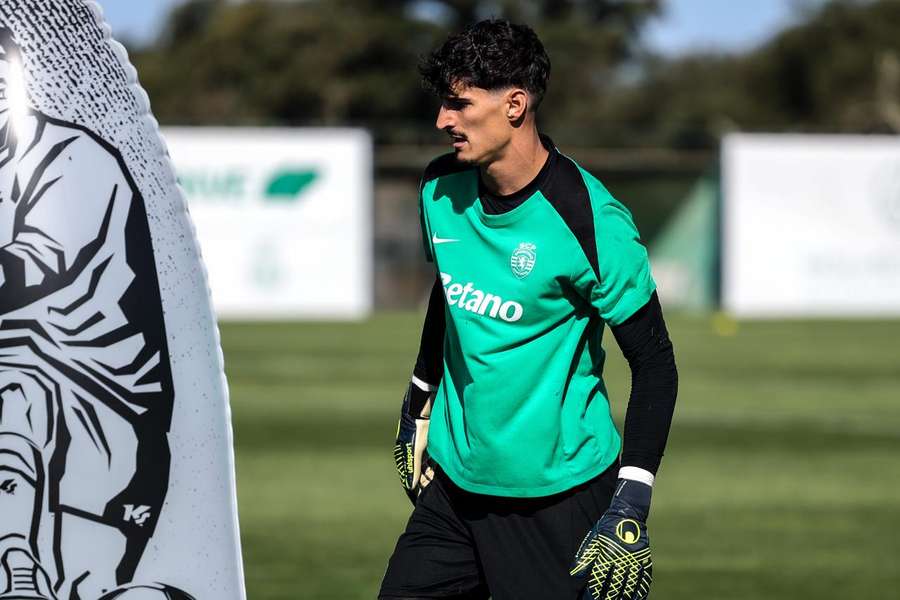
(718, 24)
(686, 24)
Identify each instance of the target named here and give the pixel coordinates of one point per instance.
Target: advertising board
(284, 218)
(811, 225)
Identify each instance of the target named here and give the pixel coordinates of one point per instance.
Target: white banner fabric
(811, 225)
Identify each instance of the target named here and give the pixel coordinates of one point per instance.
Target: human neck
(519, 164)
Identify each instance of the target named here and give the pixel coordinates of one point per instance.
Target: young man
(528, 498)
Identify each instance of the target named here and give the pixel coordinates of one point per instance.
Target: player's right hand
(410, 454)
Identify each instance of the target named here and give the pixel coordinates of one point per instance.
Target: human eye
(455, 103)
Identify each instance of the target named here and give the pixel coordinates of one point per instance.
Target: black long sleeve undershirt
(430, 362)
(644, 342)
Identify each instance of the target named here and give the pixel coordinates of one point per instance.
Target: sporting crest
(522, 260)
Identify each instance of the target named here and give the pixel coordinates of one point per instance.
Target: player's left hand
(614, 557)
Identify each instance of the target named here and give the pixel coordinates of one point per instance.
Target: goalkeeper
(506, 444)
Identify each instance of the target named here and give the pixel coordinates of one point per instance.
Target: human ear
(516, 104)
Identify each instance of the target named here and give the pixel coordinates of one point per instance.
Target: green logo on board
(286, 186)
(235, 186)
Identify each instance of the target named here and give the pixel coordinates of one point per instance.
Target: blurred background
(756, 145)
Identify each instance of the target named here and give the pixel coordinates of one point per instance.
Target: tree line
(353, 62)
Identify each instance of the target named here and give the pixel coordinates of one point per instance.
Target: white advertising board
(811, 225)
(284, 218)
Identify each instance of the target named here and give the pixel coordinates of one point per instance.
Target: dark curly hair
(493, 55)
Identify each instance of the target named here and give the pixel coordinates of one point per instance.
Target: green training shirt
(521, 409)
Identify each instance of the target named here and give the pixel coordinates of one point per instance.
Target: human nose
(444, 119)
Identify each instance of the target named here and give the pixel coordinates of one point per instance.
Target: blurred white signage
(811, 225)
(283, 216)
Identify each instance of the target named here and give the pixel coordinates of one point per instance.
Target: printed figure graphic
(86, 390)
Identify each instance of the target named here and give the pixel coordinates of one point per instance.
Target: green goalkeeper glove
(410, 454)
(615, 555)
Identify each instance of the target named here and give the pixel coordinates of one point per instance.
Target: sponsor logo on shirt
(468, 297)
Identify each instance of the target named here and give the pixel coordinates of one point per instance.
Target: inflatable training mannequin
(106, 442)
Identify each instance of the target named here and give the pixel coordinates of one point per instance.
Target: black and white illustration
(85, 384)
(86, 380)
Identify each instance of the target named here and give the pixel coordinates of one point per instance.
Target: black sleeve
(430, 362)
(654, 385)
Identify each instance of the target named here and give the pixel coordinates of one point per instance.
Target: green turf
(780, 480)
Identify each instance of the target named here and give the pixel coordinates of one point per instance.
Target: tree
(352, 62)
(831, 72)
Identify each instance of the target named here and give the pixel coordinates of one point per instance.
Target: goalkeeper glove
(615, 554)
(410, 454)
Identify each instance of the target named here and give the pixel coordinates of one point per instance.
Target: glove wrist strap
(632, 500)
(423, 385)
(637, 474)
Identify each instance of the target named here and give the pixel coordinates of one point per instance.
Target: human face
(477, 122)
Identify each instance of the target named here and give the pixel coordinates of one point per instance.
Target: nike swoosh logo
(438, 240)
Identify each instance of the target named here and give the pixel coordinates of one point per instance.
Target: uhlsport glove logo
(404, 455)
(628, 530)
(410, 455)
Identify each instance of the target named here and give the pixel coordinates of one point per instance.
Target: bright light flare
(16, 95)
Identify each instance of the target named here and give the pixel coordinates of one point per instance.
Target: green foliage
(825, 74)
(353, 62)
(328, 63)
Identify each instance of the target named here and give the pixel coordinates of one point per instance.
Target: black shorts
(471, 546)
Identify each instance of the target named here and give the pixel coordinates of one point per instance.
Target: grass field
(781, 478)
